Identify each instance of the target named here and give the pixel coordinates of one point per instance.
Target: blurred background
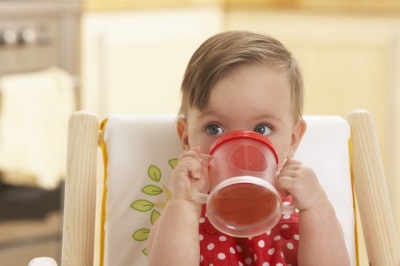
(128, 56)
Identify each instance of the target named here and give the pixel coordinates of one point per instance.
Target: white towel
(34, 111)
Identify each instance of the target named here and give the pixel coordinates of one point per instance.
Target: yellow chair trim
(104, 196)
(354, 205)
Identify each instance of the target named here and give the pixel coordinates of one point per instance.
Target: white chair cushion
(139, 149)
(142, 151)
(325, 148)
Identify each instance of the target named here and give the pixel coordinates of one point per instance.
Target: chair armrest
(80, 190)
(371, 191)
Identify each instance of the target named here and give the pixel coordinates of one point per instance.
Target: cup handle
(288, 209)
(200, 197)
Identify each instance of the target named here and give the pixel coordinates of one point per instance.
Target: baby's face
(252, 97)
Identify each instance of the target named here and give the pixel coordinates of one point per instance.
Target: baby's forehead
(199, 95)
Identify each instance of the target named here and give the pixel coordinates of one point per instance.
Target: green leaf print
(142, 205)
(154, 173)
(154, 216)
(144, 251)
(141, 234)
(173, 163)
(152, 190)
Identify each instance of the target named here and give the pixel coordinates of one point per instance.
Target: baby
(240, 80)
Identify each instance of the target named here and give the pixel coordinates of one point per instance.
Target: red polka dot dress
(276, 247)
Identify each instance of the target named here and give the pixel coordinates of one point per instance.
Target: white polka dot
(202, 220)
(282, 255)
(201, 237)
(250, 238)
(201, 257)
(249, 261)
(240, 264)
(289, 245)
(277, 238)
(285, 226)
(239, 248)
(210, 246)
(255, 257)
(286, 216)
(232, 250)
(279, 264)
(261, 243)
(268, 232)
(222, 238)
(210, 264)
(221, 256)
(271, 251)
(296, 237)
(265, 264)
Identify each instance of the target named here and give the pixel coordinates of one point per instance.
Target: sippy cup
(243, 200)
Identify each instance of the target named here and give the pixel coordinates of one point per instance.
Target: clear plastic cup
(243, 200)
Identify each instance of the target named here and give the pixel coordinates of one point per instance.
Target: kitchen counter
(385, 6)
(110, 5)
(30, 7)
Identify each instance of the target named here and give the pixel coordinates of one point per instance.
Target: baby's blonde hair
(228, 50)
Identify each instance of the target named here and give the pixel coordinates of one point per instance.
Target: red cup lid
(238, 134)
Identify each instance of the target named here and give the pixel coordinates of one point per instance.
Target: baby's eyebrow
(273, 118)
(205, 113)
(268, 116)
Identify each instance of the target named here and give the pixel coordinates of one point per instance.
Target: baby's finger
(285, 184)
(291, 164)
(205, 158)
(288, 173)
(195, 152)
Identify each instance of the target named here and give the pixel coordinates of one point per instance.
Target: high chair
(107, 217)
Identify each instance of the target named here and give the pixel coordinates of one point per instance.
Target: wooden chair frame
(367, 170)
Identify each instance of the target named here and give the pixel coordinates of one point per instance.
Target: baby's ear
(182, 129)
(297, 134)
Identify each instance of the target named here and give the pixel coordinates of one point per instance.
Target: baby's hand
(301, 182)
(190, 174)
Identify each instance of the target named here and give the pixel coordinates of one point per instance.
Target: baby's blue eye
(214, 129)
(263, 129)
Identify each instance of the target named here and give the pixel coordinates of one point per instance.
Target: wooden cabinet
(343, 5)
(133, 62)
(101, 5)
(389, 6)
